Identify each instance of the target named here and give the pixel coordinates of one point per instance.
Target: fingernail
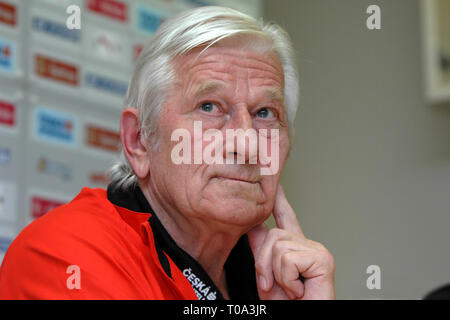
(263, 283)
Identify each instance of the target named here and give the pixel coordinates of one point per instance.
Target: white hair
(154, 72)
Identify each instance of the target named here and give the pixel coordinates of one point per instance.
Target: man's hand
(289, 266)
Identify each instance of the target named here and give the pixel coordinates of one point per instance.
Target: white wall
(369, 175)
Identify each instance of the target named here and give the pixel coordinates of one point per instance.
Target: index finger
(284, 215)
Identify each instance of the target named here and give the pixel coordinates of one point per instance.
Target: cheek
(270, 183)
(179, 178)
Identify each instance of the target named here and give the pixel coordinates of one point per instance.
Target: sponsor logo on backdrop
(63, 3)
(148, 19)
(52, 69)
(101, 138)
(56, 29)
(5, 156)
(99, 178)
(55, 127)
(7, 14)
(4, 244)
(7, 114)
(54, 168)
(7, 56)
(107, 84)
(42, 205)
(108, 46)
(113, 9)
(8, 197)
(199, 3)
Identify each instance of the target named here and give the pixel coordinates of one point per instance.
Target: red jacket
(113, 248)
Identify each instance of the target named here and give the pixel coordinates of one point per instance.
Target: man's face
(223, 88)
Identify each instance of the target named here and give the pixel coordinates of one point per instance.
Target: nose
(241, 139)
(242, 119)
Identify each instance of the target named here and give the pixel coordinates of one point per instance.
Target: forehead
(228, 65)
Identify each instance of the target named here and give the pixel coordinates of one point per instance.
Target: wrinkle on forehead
(240, 56)
(232, 65)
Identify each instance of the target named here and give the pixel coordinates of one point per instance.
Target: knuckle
(278, 246)
(324, 255)
(323, 249)
(327, 259)
(286, 258)
(327, 255)
(317, 245)
(274, 233)
(286, 263)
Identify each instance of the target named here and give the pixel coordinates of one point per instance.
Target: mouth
(235, 179)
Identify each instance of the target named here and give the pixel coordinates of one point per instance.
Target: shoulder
(88, 233)
(89, 217)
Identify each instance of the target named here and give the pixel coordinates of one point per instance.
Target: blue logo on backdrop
(55, 126)
(7, 56)
(199, 3)
(54, 168)
(55, 29)
(5, 156)
(106, 84)
(4, 244)
(148, 20)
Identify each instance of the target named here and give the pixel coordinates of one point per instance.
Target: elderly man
(166, 229)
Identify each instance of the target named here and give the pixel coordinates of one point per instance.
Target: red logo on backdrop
(56, 70)
(103, 138)
(99, 178)
(7, 13)
(110, 8)
(40, 206)
(6, 52)
(7, 114)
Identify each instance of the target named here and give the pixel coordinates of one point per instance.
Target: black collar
(239, 267)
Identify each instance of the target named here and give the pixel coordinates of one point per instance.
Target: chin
(234, 202)
(238, 212)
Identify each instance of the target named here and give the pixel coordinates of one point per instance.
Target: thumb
(256, 237)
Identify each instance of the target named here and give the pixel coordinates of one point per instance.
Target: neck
(208, 242)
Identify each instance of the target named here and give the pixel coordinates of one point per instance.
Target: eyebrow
(276, 94)
(207, 87)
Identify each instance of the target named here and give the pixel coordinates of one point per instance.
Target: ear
(133, 147)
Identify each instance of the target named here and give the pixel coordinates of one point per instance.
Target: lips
(237, 178)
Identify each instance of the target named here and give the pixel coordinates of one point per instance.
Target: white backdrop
(61, 93)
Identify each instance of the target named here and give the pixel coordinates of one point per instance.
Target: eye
(209, 107)
(265, 113)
